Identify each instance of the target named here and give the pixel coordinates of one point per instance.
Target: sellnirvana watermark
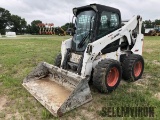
(128, 111)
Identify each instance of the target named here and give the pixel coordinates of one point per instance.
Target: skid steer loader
(101, 48)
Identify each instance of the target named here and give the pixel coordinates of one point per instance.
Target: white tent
(10, 34)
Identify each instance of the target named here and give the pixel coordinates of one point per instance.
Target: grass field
(18, 56)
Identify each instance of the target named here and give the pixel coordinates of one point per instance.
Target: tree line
(151, 24)
(19, 25)
(11, 22)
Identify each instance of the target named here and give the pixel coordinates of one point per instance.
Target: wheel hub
(113, 76)
(137, 69)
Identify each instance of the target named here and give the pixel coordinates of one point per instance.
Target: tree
(157, 22)
(23, 26)
(34, 27)
(143, 28)
(18, 24)
(28, 29)
(67, 25)
(4, 19)
(149, 24)
(13, 22)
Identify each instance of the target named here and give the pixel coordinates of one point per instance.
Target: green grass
(18, 56)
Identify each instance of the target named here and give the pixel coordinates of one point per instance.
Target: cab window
(109, 22)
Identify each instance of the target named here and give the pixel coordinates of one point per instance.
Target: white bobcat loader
(101, 47)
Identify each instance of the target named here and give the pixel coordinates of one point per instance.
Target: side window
(84, 22)
(104, 22)
(84, 19)
(114, 21)
(108, 22)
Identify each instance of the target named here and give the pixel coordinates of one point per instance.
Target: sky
(59, 12)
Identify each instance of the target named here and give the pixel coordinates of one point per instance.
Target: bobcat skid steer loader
(101, 47)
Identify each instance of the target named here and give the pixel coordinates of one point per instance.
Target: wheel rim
(112, 77)
(137, 69)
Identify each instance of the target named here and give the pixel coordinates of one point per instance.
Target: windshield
(84, 26)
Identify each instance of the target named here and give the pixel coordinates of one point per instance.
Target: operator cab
(93, 22)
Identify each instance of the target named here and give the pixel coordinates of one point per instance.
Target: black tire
(132, 67)
(58, 60)
(102, 71)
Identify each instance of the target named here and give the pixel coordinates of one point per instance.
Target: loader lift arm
(98, 45)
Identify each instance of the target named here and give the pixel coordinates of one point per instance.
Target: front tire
(132, 66)
(58, 60)
(107, 75)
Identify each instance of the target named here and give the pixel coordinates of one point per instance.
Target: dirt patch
(3, 101)
(149, 50)
(157, 95)
(156, 62)
(16, 116)
(3, 106)
(123, 82)
(89, 115)
(144, 81)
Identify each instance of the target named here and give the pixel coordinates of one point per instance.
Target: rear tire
(132, 66)
(58, 60)
(107, 75)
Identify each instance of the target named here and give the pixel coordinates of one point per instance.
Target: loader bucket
(56, 89)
